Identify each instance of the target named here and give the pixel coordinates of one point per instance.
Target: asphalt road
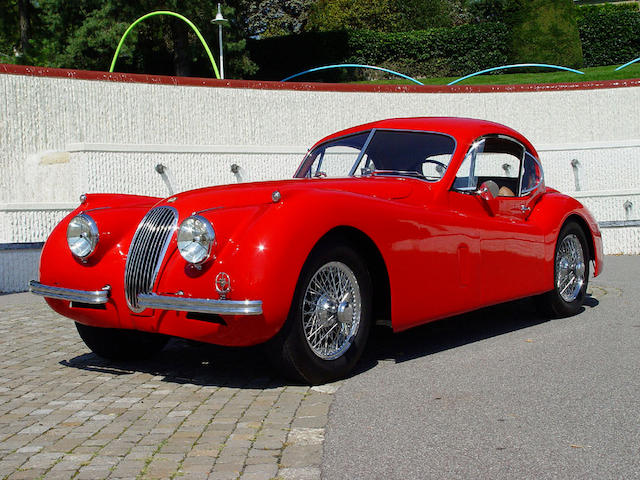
(499, 393)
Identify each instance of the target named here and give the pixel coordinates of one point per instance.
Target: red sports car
(406, 220)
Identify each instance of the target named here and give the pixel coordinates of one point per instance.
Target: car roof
(464, 130)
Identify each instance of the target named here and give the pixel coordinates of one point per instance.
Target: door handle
(525, 209)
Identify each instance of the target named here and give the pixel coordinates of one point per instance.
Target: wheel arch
(365, 246)
(582, 223)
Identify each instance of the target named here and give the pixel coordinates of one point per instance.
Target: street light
(220, 20)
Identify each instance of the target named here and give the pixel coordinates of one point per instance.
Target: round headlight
(196, 239)
(82, 235)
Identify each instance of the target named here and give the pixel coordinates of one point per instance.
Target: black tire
(119, 344)
(555, 303)
(291, 350)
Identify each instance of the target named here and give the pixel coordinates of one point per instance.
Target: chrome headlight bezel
(196, 249)
(89, 235)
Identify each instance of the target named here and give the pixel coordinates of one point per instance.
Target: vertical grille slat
(147, 251)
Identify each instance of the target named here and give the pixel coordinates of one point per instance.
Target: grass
(550, 76)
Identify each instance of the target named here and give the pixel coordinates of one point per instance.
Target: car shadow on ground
(453, 332)
(184, 361)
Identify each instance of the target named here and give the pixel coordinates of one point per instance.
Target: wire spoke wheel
(330, 316)
(571, 274)
(570, 268)
(331, 312)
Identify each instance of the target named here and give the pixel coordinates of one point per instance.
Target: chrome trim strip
(200, 212)
(94, 297)
(527, 191)
(200, 305)
(619, 223)
(22, 246)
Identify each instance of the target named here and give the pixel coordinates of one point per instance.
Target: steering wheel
(440, 164)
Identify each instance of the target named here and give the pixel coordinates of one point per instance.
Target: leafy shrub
(610, 34)
(545, 31)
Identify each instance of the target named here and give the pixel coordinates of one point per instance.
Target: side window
(493, 158)
(531, 174)
(334, 158)
(335, 161)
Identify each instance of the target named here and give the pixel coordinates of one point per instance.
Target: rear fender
(553, 211)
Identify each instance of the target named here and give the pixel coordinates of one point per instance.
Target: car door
(511, 247)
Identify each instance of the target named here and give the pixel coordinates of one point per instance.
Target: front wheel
(571, 274)
(120, 344)
(330, 317)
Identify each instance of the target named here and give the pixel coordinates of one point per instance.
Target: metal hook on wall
(628, 206)
(238, 171)
(162, 170)
(576, 177)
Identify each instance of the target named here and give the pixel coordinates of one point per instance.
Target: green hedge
(610, 34)
(545, 31)
(436, 52)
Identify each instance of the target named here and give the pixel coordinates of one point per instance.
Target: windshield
(422, 155)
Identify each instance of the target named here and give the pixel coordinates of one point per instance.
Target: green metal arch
(172, 14)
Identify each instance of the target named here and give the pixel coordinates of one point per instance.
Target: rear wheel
(571, 274)
(330, 317)
(119, 344)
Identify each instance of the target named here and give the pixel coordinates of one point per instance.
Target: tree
(24, 13)
(8, 29)
(380, 15)
(84, 34)
(494, 10)
(542, 31)
(269, 18)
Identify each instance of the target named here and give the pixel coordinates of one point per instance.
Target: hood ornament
(223, 285)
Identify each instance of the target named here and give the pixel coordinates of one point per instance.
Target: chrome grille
(147, 250)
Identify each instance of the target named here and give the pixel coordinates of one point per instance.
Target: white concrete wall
(60, 137)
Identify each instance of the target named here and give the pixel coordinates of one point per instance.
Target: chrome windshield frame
(365, 145)
(362, 152)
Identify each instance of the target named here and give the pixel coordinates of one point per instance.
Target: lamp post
(220, 20)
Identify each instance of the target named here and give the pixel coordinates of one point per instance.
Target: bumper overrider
(152, 300)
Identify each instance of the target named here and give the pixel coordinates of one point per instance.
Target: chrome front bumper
(201, 305)
(161, 302)
(93, 297)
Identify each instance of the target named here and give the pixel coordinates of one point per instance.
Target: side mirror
(488, 191)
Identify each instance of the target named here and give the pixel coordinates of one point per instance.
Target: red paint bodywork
(444, 252)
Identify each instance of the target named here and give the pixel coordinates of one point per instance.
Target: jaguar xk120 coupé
(405, 220)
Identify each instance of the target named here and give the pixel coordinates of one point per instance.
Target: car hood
(260, 193)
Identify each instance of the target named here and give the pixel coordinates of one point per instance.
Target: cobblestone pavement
(194, 411)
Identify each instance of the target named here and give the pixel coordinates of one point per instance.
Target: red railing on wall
(306, 86)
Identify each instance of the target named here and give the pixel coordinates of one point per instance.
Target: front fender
(263, 250)
(116, 224)
(117, 217)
